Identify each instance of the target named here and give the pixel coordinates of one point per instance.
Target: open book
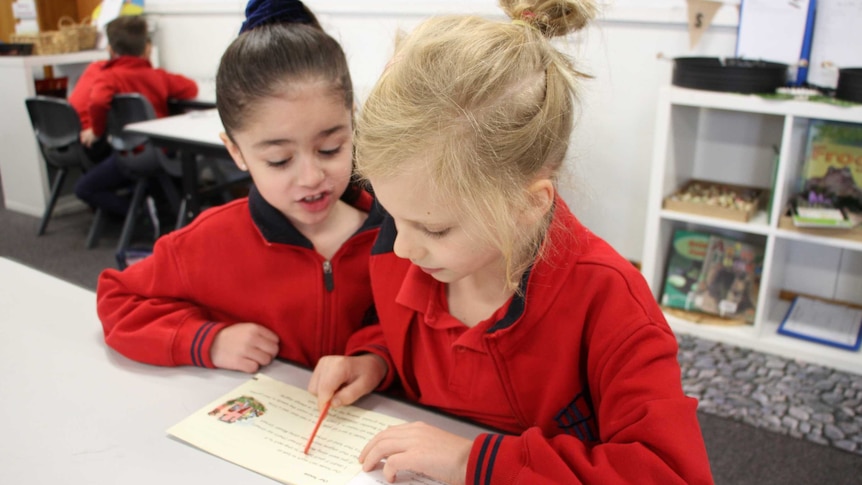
(264, 424)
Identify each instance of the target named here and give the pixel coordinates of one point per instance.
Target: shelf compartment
(797, 348)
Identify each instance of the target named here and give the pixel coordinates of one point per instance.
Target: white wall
(612, 148)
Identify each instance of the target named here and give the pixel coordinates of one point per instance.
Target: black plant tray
(729, 75)
(849, 84)
(16, 49)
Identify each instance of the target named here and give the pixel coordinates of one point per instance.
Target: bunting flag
(700, 15)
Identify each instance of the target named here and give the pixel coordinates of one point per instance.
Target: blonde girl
(495, 303)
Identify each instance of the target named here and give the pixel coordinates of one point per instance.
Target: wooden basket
(47, 43)
(84, 33)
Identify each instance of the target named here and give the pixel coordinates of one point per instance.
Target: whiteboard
(837, 40)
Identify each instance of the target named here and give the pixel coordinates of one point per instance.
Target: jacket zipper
(328, 284)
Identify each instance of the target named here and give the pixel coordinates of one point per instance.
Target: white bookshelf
(739, 139)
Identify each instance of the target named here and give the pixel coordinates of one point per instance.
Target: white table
(192, 134)
(75, 412)
(25, 177)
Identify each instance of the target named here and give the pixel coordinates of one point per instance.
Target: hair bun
(552, 18)
(261, 12)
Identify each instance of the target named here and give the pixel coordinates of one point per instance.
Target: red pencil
(317, 426)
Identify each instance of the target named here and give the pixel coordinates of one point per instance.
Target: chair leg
(129, 224)
(96, 229)
(181, 214)
(55, 194)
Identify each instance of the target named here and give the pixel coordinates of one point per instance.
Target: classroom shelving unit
(752, 141)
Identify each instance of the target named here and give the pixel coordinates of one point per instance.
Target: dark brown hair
(270, 58)
(127, 35)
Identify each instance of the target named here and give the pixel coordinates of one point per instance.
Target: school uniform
(80, 96)
(580, 373)
(239, 262)
(130, 74)
(92, 100)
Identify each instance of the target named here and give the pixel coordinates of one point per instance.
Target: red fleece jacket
(240, 262)
(98, 84)
(585, 364)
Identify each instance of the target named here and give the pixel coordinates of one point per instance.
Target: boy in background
(127, 71)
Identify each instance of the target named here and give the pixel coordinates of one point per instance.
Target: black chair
(57, 128)
(142, 161)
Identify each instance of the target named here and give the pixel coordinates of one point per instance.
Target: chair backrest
(58, 130)
(128, 108)
(135, 153)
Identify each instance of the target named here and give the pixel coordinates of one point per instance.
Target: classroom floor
(794, 398)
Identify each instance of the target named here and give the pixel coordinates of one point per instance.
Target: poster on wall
(110, 9)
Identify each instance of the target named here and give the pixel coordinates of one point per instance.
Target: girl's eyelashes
(325, 153)
(277, 164)
(330, 153)
(436, 234)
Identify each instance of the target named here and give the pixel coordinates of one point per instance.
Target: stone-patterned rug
(786, 396)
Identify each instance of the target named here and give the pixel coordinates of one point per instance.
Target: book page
(264, 424)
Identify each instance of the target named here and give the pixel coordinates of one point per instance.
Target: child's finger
(268, 334)
(349, 393)
(260, 357)
(267, 346)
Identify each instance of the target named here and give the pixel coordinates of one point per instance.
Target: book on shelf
(263, 425)
(823, 322)
(830, 192)
(729, 279)
(826, 217)
(685, 258)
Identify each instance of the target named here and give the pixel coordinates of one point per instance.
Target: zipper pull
(328, 282)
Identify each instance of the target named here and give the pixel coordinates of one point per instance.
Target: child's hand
(420, 448)
(244, 347)
(352, 378)
(87, 137)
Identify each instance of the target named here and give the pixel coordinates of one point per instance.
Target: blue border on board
(805, 55)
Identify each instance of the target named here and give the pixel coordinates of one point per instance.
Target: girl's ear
(542, 193)
(541, 197)
(234, 151)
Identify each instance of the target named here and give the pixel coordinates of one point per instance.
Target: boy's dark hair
(127, 35)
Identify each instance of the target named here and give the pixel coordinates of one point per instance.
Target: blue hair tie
(261, 12)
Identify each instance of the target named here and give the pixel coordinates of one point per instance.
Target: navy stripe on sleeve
(492, 457)
(480, 461)
(198, 341)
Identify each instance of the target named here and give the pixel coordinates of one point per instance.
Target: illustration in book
(729, 279)
(239, 409)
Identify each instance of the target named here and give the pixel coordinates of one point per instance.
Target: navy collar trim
(276, 228)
